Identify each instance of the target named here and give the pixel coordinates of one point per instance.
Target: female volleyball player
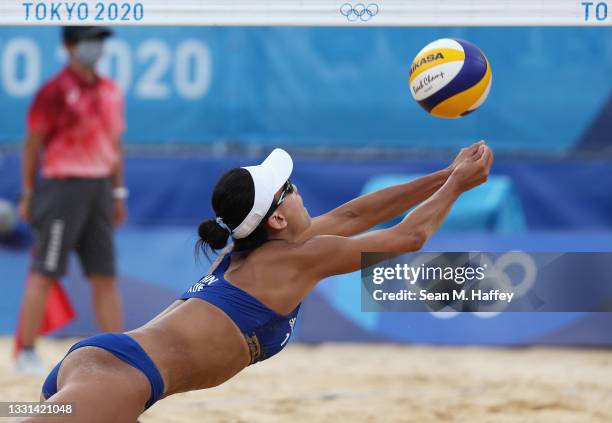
(245, 309)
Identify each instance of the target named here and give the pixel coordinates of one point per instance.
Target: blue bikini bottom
(124, 348)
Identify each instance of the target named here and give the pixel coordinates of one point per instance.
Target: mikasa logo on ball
(426, 59)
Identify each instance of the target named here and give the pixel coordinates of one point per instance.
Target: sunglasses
(287, 189)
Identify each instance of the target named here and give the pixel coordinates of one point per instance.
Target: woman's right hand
(474, 169)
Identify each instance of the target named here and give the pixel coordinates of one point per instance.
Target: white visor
(268, 178)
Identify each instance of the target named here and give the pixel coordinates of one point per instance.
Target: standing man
(74, 127)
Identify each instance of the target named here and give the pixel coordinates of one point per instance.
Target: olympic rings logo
(359, 11)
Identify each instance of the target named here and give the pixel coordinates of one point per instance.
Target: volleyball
(450, 78)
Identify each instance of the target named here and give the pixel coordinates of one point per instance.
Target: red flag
(58, 313)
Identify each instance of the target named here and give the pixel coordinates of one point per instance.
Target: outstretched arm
(324, 256)
(367, 211)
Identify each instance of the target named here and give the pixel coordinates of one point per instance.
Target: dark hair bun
(212, 234)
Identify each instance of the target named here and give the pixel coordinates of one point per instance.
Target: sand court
(382, 383)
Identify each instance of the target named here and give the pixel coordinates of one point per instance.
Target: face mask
(88, 52)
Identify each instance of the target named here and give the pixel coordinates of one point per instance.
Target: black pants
(73, 214)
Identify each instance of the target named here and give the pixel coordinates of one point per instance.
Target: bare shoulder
(309, 261)
(280, 259)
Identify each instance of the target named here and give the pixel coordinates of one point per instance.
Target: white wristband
(120, 193)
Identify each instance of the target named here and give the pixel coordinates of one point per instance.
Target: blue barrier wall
(328, 86)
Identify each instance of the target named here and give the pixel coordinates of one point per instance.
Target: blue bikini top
(265, 331)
